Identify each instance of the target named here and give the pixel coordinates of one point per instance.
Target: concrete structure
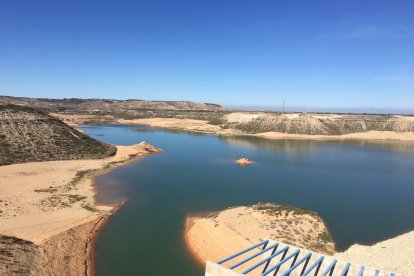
(276, 258)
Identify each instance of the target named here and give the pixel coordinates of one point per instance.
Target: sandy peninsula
(48, 208)
(221, 234)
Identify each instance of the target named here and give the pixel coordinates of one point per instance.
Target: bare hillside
(104, 106)
(106, 111)
(28, 134)
(317, 124)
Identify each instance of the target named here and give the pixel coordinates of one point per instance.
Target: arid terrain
(221, 234)
(28, 135)
(48, 208)
(108, 106)
(48, 214)
(215, 119)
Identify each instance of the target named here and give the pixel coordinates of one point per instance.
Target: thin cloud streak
(371, 32)
(394, 78)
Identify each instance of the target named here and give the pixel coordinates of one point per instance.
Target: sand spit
(221, 234)
(51, 204)
(176, 124)
(83, 119)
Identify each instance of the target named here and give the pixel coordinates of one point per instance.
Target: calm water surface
(365, 193)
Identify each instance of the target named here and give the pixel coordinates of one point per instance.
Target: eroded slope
(28, 135)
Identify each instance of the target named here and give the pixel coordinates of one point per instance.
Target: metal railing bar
(317, 269)
(346, 269)
(281, 259)
(304, 266)
(330, 268)
(265, 260)
(294, 260)
(268, 262)
(297, 251)
(307, 257)
(242, 252)
(361, 271)
(315, 264)
(254, 256)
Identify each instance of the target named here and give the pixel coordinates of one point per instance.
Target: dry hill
(316, 124)
(108, 106)
(28, 135)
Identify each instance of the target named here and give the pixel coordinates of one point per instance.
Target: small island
(243, 161)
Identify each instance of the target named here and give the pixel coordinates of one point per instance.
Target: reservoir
(363, 191)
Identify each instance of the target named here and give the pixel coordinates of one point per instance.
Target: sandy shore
(52, 205)
(190, 125)
(222, 234)
(201, 126)
(83, 119)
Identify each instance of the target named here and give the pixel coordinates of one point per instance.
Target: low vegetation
(311, 124)
(277, 210)
(101, 111)
(105, 106)
(80, 175)
(18, 257)
(31, 135)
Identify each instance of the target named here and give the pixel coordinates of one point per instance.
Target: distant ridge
(107, 105)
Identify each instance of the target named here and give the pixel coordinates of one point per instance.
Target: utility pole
(283, 107)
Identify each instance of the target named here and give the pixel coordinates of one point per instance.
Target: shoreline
(189, 223)
(376, 137)
(220, 234)
(32, 194)
(200, 126)
(204, 127)
(373, 255)
(90, 267)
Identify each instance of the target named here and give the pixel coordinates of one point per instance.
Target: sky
(242, 53)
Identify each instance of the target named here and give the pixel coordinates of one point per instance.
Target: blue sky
(313, 54)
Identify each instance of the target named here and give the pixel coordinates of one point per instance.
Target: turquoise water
(365, 193)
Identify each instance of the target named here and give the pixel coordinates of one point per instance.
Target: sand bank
(221, 234)
(176, 124)
(83, 119)
(48, 202)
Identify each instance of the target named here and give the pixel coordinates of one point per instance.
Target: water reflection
(268, 144)
(299, 145)
(365, 194)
